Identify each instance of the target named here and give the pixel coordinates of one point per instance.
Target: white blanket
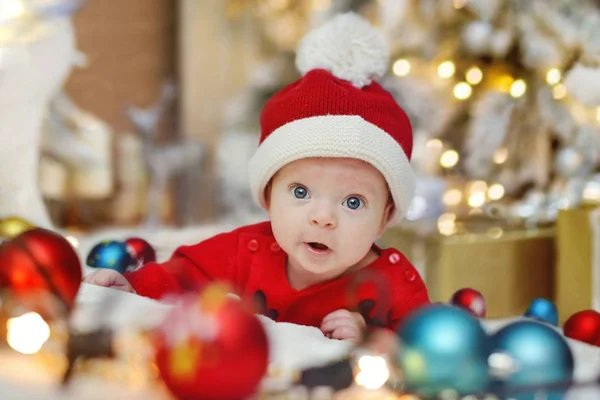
(293, 347)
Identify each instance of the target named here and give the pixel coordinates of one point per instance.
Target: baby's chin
(325, 271)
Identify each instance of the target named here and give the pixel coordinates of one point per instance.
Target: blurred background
(143, 113)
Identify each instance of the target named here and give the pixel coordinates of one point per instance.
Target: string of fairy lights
(477, 193)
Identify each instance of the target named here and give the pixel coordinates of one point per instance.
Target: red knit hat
(336, 110)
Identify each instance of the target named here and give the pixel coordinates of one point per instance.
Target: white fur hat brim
(336, 136)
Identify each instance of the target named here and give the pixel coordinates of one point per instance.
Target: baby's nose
(324, 218)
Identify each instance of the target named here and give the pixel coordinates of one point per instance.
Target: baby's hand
(344, 325)
(110, 279)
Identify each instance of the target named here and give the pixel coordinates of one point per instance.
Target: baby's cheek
(355, 247)
(283, 231)
(359, 239)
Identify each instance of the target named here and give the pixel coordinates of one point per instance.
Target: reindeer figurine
(163, 161)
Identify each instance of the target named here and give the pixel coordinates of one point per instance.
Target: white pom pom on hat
(348, 47)
(337, 109)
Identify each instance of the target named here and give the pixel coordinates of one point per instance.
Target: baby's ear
(267, 194)
(387, 215)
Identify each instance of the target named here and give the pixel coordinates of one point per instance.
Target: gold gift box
(510, 265)
(574, 289)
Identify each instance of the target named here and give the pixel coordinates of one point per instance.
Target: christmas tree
(502, 96)
(502, 102)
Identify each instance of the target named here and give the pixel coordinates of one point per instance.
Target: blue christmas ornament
(110, 254)
(542, 310)
(443, 347)
(540, 355)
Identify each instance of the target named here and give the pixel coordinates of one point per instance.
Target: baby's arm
(188, 269)
(344, 325)
(176, 275)
(109, 278)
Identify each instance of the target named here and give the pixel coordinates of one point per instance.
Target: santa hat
(337, 110)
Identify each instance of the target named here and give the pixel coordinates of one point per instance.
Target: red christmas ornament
(140, 250)
(210, 347)
(40, 260)
(584, 326)
(470, 300)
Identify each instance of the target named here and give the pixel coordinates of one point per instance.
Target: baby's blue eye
(299, 192)
(353, 203)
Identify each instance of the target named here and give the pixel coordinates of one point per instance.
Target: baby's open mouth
(318, 246)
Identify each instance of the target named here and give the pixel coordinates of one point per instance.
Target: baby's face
(327, 212)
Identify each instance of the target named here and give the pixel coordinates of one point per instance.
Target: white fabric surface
(296, 347)
(293, 347)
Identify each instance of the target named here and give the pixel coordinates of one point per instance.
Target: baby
(332, 171)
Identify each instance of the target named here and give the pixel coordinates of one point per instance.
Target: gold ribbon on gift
(509, 264)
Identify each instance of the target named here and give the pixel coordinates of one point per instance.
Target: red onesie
(250, 259)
